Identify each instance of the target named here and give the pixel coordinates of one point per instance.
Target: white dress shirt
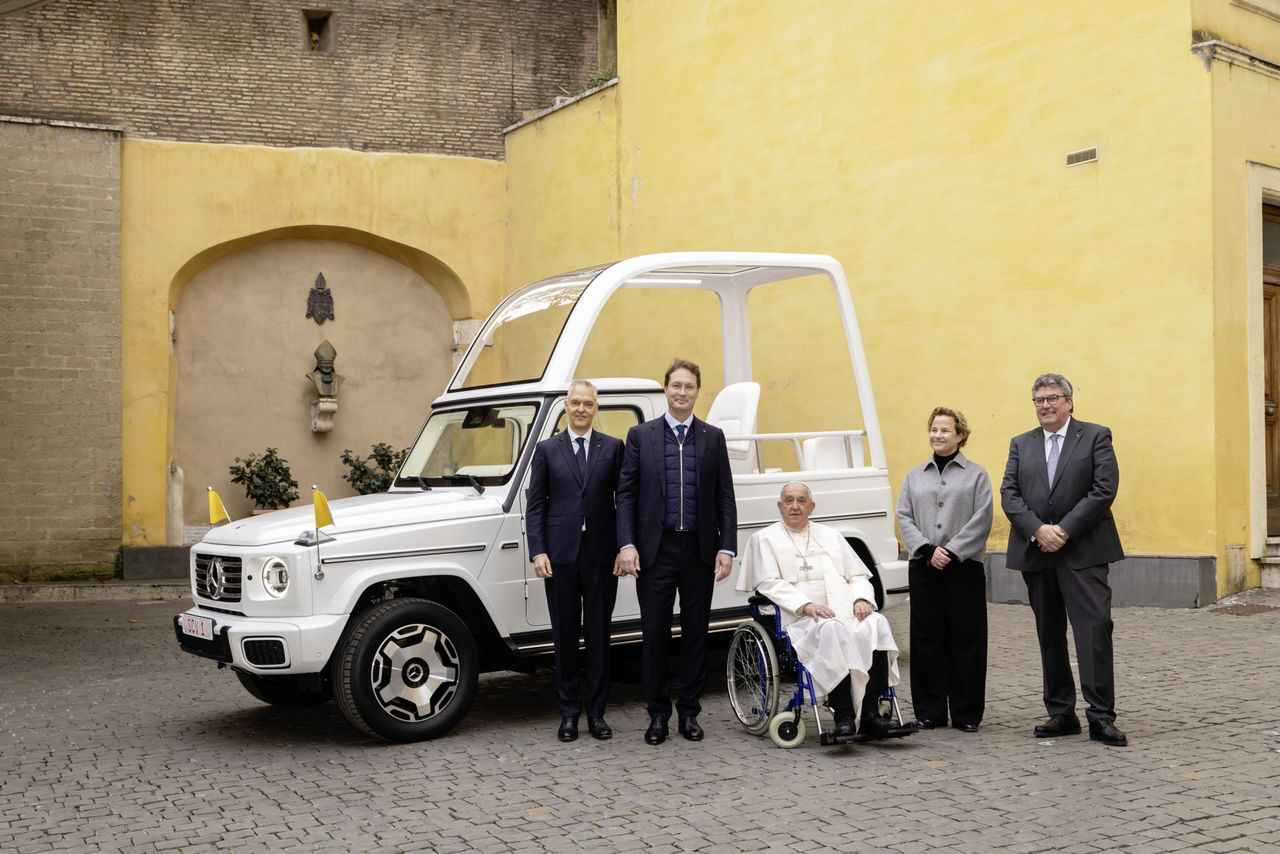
(573, 441)
(672, 422)
(1062, 438)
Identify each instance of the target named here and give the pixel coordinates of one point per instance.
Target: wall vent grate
(1084, 155)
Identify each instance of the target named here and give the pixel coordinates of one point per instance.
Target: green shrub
(365, 478)
(266, 480)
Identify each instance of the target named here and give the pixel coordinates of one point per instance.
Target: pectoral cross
(803, 558)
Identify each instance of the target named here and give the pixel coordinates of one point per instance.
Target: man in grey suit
(1057, 491)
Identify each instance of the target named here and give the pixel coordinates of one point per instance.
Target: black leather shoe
(1059, 725)
(689, 728)
(1106, 732)
(568, 728)
(966, 727)
(877, 728)
(927, 723)
(844, 725)
(598, 728)
(657, 731)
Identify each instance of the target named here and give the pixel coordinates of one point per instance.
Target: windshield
(519, 338)
(482, 442)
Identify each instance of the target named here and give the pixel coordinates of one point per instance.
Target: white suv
(396, 608)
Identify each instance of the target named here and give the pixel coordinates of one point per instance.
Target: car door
(615, 417)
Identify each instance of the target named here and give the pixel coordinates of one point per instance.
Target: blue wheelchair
(760, 660)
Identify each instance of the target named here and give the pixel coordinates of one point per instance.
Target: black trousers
(580, 598)
(841, 697)
(676, 569)
(948, 641)
(1084, 595)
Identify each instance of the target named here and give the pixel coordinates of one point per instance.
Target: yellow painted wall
(925, 150)
(1254, 24)
(562, 204)
(185, 206)
(1246, 127)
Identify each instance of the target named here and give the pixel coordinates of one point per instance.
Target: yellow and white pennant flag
(323, 516)
(217, 510)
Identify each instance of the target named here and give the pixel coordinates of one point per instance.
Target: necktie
(680, 433)
(581, 456)
(1053, 456)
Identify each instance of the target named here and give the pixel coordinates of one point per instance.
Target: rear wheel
(288, 691)
(751, 671)
(406, 670)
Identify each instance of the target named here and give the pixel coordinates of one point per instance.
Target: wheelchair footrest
(890, 732)
(830, 738)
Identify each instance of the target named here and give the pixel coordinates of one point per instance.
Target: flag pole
(314, 538)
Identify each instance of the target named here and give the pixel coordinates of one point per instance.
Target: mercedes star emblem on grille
(215, 582)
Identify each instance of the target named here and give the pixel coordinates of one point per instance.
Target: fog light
(275, 577)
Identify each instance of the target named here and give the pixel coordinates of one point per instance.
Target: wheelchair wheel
(787, 730)
(752, 676)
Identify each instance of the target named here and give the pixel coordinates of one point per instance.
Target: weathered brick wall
(442, 76)
(59, 351)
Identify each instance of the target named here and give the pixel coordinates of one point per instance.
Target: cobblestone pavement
(112, 739)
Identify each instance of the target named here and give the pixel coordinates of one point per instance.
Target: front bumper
(264, 645)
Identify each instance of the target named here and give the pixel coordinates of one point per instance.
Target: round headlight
(275, 577)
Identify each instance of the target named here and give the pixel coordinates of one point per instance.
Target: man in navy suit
(678, 526)
(1057, 491)
(572, 526)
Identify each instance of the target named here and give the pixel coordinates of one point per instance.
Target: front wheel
(786, 730)
(406, 670)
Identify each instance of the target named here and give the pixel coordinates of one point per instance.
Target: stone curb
(159, 590)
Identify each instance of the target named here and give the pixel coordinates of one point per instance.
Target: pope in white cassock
(824, 594)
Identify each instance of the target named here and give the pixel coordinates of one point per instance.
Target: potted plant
(266, 480)
(365, 478)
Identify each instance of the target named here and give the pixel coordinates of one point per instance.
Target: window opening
(319, 32)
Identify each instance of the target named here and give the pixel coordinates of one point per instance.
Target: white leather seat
(827, 453)
(734, 411)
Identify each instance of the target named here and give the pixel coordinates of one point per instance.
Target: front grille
(217, 577)
(265, 652)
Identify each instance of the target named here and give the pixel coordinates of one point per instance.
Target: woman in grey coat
(944, 513)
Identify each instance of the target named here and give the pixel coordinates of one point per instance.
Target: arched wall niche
(243, 347)
(446, 282)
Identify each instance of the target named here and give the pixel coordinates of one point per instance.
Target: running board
(632, 636)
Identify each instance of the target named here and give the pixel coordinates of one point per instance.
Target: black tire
(292, 692)
(751, 672)
(406, 670)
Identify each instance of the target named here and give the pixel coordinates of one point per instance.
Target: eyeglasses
(1051, 399)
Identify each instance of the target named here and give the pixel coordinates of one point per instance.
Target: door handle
(1269, 407)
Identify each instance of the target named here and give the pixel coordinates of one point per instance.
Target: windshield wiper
(468, 478)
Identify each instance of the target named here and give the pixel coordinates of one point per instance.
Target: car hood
(351, 515)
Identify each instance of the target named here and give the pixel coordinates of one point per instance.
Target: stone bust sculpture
(324, 377)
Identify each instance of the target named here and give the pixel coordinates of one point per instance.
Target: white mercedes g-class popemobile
(398, 606)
